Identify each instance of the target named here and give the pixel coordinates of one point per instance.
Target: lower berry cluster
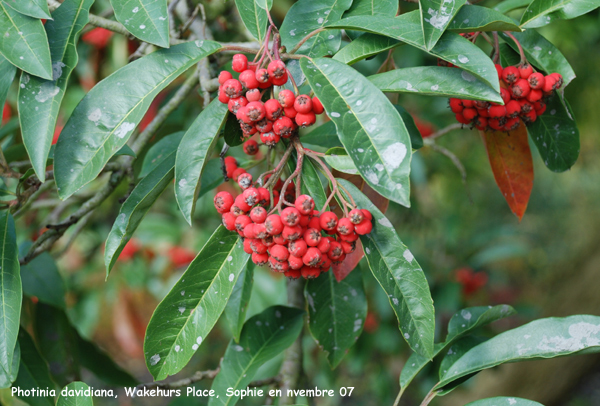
(523, 92)
(300, 241)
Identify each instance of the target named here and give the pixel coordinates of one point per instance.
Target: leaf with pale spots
(556, 136)
(145, 19)
(40, 99)
(436, 15)
(473, 18)
(190, 310)
(192, 154)
(31, 8)
(304, 17)
(74, 395)
(400, 276)
(337, 313)
(254, 18)
(540, 339)
(263, 337)
(237, 306)
(504, 401)
(368, 125)
(543, 12)
(106, 117)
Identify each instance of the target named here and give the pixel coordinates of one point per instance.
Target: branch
(443, 131)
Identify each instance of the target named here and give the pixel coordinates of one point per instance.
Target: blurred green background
(547, 265)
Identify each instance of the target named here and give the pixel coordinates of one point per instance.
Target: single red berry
(348, 247)
(224, 76)
(232, 88)
(265, 197)
(241, 203)
(512, 124)
(529, 117)
(345, 226)
(253, 95)
(480, 104)
(249, 232)
(317, 106)
(559, 80)
(260, 259)
(324, 245)
(290, 112)
(525, 71)
(264, 125)
(467, 103)
(286, 98)
(229, 221)
(469, 114)
(367, 214)
(349, 237)
(241, 222)
(549, 84)
(497, 111)
(280, 81)
(273, 109)
(237, 173)
(539, 107)
(230, 168)
(364, 228)
(510, 74)
(315, 222)
(248, 80)
(268, 240)
(223, 98)
(290, 216)
(262, 76)
(276, 69)
(304, 220)
(247, 248)
(520, 89)
(356, 216)
(328, 221)
(310, 272)
(456, 105)
(248, 129)
(303, 104)
(536, 81)
(278, 239)
(325, 263)
(505, 94)
(239, 62)
(291, 233)
(526, 106)
(258, 246)
(312, 257)
(279, 252)
(293, 273)
(258, 214)
(223, 202)
(496, 124)
(273, 224)
(312, 237)
(534, 95)
(255, 111)
(295, 262)
(235, 104)
(305, 119)
(499, 70)
(270, 139)
(482, 113)
(298, 247)
(250, 147)
(304, 204)
(513, 108)
(251, 196)
(480, 123)
(283, 127)
(335, 250)
(245, 181)
(260, 230)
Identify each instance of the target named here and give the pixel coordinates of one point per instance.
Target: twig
(303, 40)
(454, 160)
(443, 131)
(521, 51)
(78, 229)
(432, 394)
(274, 380)
(43, 188)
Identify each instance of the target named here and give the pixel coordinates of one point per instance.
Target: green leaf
(541, 53)
(365, 46)
(509, 5)
(24, 43)
(106, 117)
(232, 133)
(556, 136)
(132, 212)
(75, 395)
(367, 124)
(400, 276)
(264, 4)
(212, 176)
(7, 380)
(337, 312)
(100, 364)
(31, 8)
(145, 19)
(304, 17)
(264, 336)
(372, 7)
(457, 350)
(41, 278)
(450, 47)
(7, 75)
(501, 400)
(473, 18)
(39, 99)
(237, 306)
(339, 160)
(544, 338)
(414, 364)
(324, 135)
(416, 139)
(255, 18)
(160, 151)
(190, 310)
(436, 15)
(11, 295)
(193, 152)
(125, 150)
(434, 81)
(543, 12)
(33, 372)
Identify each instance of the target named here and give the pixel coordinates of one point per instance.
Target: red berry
(315, 222)
(247, 248)
(367, 214)
(237, 173)
(324, 245)
(273, 224)
(295, 262)
(290, 112)
(305, 120)
(497, 111)
(505, 94)
(526, 106)
(525, 70)
(260, 259)
(253, 95)
(350, 237)
(224, 76)
(364, 228)
(223, 98)
(513, 108)
(536, 81)
(325, 263)
(239, 62)
(520, 89)
(279, 252)
(278, 239)
(245, 181)
(467, 103)
(290, 216)
(499, 70)
(250, 147)
(291, 233)
(258, 246)
(559, 80)
(480, 123)
(249, 232)
(304, 204)
(280, 81)
(264, 125)
(273, 109)
(529, 117)
(328, 221)
(232, 88)
(534, 95)
(248, 79)
(310, 272)
(312, 257)
(345, 226)
(348, 247)
(356, 216)
(456, 106)
(510, 74)
(495, 124)
(303, 104)
(276, 69)
(293, 273)
(251, 196)
(223, 202)
(262, 76)
(270, 139)
(512, 124)
(312, 237)
(229, 221)
(265, 197)
(335, 250)
(258, 214)
(235, 104)
(268, 240)
(539, 107)
(286, 98)
(260, 230)
(283, 127)
(317, 106)
(240, 202)
(230, 168)
(480, 104)
(255, 111)
(241, 222)
(298, 247)
(469, 114)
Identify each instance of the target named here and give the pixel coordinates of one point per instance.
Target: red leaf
(512, 165)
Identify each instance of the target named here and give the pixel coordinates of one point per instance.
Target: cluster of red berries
(300, 241)
(275, 118)
(523, 98)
